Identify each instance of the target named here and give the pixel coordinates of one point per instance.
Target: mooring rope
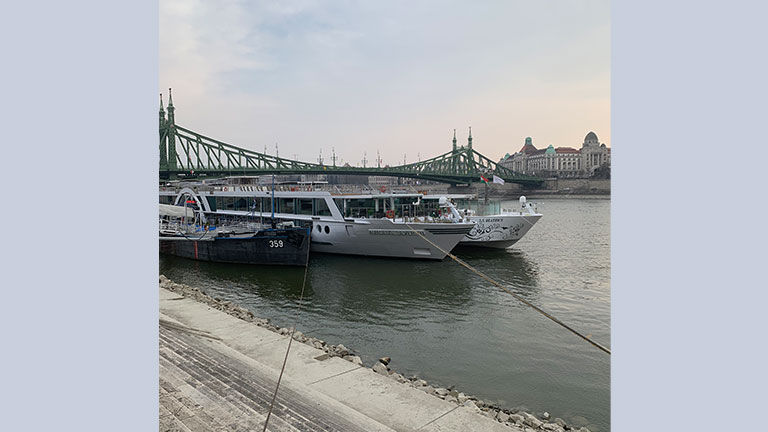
(536, 308)
(290, 341)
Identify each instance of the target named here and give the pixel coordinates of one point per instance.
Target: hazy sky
(392, 76)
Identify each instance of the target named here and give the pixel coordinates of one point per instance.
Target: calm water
(444, 324)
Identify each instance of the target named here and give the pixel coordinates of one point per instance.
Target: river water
(444, 324)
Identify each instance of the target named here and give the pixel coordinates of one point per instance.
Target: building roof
(591, 136)
(528, 147)
(566, 150)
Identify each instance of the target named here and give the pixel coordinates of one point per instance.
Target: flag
(497, 179)
(484, 179)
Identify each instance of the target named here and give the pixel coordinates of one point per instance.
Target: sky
(394, 77)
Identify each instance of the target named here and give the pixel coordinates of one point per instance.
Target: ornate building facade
(560, 161)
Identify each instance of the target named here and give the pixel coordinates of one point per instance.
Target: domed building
(593, 154)
(560, 161)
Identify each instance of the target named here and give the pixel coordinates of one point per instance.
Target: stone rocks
(441, 391)
(461, 398)
(385, 360)
(531, 420)
(502, 416)
(399, 378)
(354, 359)
(517, 419)
(380, 368)
(341, 350)
(560, 422)
(545, 416)
(429, 389)
(471, 404)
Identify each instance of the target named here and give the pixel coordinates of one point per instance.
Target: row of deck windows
(304, 206)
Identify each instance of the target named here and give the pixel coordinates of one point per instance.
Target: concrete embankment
(219, 366)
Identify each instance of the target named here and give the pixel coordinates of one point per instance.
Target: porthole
(319, 228)
(327, 230)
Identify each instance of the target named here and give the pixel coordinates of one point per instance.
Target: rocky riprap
(510, 417)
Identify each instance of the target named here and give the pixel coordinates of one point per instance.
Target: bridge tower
(171, 132)
(469, 140)
(454, 153)
(163, 153)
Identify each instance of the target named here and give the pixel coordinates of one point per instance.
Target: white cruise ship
(384, 232)
(494, 226)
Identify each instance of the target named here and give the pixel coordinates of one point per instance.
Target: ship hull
(499, 231)
(266, 247)
(385, 238)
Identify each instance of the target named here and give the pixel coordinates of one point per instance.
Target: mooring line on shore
(517, 296)
(290, 341)
(335, 375)
(439, 417)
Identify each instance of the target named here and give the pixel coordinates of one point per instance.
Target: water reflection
(269, 281)
(511, 268)
(375, 285)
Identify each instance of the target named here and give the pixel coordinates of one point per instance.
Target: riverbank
(571, 188)
(402, 393)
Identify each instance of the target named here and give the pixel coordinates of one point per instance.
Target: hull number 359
(275, 243)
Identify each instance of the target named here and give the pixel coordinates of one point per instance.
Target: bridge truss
(185, 153)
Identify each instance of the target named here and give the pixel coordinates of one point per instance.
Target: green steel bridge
(185, 153)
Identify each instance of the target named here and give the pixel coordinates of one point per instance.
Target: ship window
(327, 230)
(266, 204)
(211, 202)
(287, 205)
(319, 228)
(340, 205)
(321, 208)
(241, 204)
(227, 203)
(305, 206)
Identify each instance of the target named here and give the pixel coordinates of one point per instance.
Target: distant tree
(602, 172)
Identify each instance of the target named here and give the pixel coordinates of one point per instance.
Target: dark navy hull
(288, 246)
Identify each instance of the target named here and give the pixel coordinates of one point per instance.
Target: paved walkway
(218, 373)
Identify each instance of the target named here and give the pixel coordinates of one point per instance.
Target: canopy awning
(176, 211)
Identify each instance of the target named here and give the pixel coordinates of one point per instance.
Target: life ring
(383, 188)
(390, 214)
(224, 188)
